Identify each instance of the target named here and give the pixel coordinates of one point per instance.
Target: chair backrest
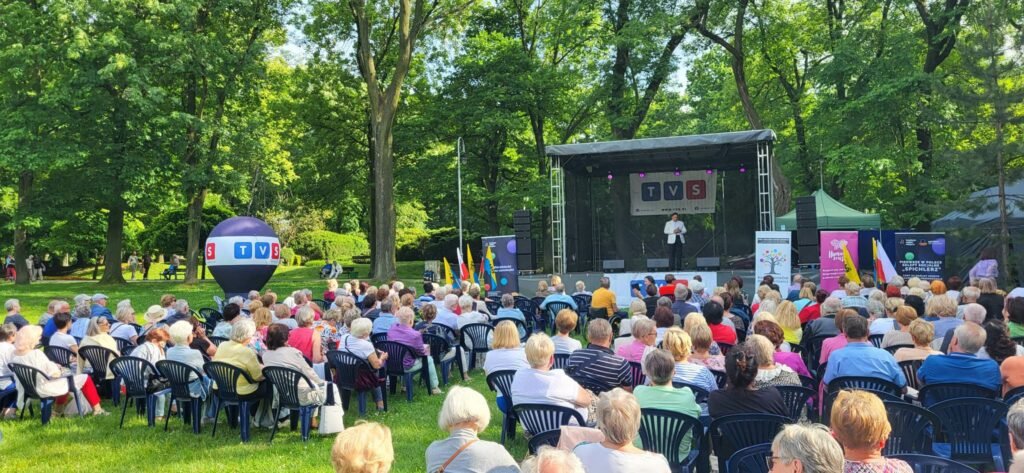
(286, 382)
(377, 338)
(179, 375)
(520, 325)
(795, 398)
(876, 339)
(909, 368)
(397, 352)
(721, 379)
(98, 357)
(933, 393)
(226, 376)
(134, 372)
(539, 418)
(346, 366)
(796, 348)
(212, 316)
(892, 348)
(27, 378)
(553, 308)
(931, 464)
(218, 340)
(663, 431)
(561, 361)
(527, 307)
(537, 301)
(477, 334)
(813, 352)
(124, 345)
(549, 438)
(831, 397)
(808, 382)
(492, 306)
(732, 433)
(724, 347)
(913, 428)
(864, 382)
(60, 355)
(322, 303)
(582, 302)
(220, 302)
(439, 346)
(699, 393)
(1013, 395)
(637, 370)
(501, 381)
(968, 424)
(750, 459)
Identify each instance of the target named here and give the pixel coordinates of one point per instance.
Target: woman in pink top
(830, 345)
(773, 332)
(645, 334)
(304, 338)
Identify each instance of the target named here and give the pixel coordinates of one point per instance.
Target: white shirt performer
(675, 231)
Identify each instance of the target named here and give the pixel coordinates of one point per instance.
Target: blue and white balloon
(242, 253)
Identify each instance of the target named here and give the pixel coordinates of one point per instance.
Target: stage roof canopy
(832, 214)
(725, 151)
(983, 210)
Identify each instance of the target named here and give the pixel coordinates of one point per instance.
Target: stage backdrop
(832, 266)
(662, 193)
(506, 268)
(622, 283)
(773, 256)
(920, 255)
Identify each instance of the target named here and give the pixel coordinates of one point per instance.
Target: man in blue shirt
(559, 296)
(386, 318)
(961, 365)
(51, 327)
(861, 358)
(509, 311)
(99, 307)
(427, 297)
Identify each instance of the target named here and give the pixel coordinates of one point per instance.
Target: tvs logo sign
(242, 250)
(211, 251)
(674, 190)
(662, 193)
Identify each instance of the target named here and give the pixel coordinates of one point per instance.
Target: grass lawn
(98, 445)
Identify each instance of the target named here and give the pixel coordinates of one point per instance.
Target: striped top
(697, 375)
(598, 369)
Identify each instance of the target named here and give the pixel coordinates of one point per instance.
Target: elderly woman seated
(356, 343)
(645, 334)
(279, 353)
(464, 415)
(768, 372)
(618, 418)
(363, 448)
(236, 352)
(565, 323)
(181, 334)
(152, 350)
(659, 368)
(25, 353)
(678, 344)
(922, 332)
(539, 384)
(741, 396)
(98, 335)
(402, 332)
(861, 425)
(552, 460)
(806, 448)
(773, 332)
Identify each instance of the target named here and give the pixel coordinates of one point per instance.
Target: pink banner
(832, 256)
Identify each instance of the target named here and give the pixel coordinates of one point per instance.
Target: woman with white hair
(618, 418)
(154, 314)
(181, 336)
(236, 352)
(123, 328)
(304, 338)
(97, 334)
(363, 448)
(550, 459)
(355, 342)
(278, 353)
(402, 332)
(806, 448)
(464, 415)
(25, 353)
(539, 384)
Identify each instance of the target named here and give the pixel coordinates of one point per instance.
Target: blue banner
(505, 271)
(920, 255)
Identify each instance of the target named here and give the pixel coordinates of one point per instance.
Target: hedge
(327, 245)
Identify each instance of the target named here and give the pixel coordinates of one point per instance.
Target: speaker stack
(522, 223)
(807, 230)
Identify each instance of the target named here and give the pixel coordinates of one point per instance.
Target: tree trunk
(115, 239)
(384, 265)
(25, 180)
(195, 230)
(371, 190)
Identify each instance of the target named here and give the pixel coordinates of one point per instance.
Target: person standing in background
(133, 264)
(675, 231)
(986, 267)
(147, 261)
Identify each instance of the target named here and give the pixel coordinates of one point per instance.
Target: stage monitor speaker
(807, 237)
(522, 225)
(613, 265)
(655, 264)
(709, 263)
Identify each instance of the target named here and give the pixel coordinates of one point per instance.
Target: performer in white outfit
(676, 231)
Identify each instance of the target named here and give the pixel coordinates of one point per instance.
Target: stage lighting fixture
(743, 168)
(643, 175)
(677, 172)
(710, 171)
(609, 175)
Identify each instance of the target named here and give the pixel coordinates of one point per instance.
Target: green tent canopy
(832, 214)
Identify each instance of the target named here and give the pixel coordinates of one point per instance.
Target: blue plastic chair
(124, 345)
(699, 393)
(909, 369)
(524, 330)
(395, 367)
(377, 338)
(501, 381)
(1012, 396)
(473, 339)
(551, 311)
(721, 379)
(538, 418)
(583, 309)
(99, 359)
(892, 349)
(492, 306)
(549, 438)
(663, 431)
(28, 377)
(561, 361)
(137, 373)
(226, 395)
(795, 398)
(637, 371)
(60, 355)
(286, 382)
(931, 464)
(813, 353)
(750, 459)
(528, 308)
(730, 434)
(967, 426)
(439, 348)
(913, 428)
(933, 393)
(217, 340)
(181, 376)
(876, 339)
(830, 399)
(864, 383)
(346, 367)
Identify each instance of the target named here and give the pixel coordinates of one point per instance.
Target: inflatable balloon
(242, 253)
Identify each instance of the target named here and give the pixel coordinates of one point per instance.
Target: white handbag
(332, 415)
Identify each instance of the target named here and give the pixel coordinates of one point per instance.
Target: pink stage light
(643, 175)
(610, 175)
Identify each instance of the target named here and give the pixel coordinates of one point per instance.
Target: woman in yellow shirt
(787, 317)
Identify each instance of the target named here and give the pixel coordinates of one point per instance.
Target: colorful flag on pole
(447, 273)
(489, 267)
(463, 272)
(469, 262)
(883, 265)
(851, 269)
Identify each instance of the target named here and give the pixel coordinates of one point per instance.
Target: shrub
(327, 245)
(431, 244)
(287, 256)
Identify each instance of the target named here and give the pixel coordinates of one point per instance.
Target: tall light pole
(459, 148)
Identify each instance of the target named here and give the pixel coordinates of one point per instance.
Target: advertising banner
(920, 254)
(832, 266)
(501, 272)
(662, 193)
(773, 256)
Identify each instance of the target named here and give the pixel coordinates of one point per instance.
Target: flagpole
(459, 144)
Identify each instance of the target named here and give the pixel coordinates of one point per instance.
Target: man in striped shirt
(596, 367)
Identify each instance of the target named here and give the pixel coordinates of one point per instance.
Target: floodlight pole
(459, 145)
